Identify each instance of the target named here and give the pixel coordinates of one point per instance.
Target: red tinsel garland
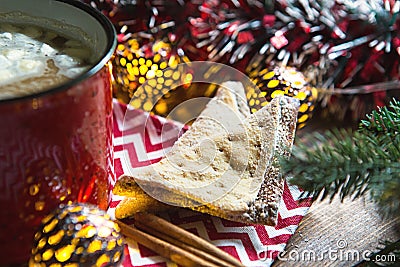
(348, 50)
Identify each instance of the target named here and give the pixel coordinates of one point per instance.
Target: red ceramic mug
(56, 146)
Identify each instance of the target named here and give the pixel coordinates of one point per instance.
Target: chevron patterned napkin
(253, 245)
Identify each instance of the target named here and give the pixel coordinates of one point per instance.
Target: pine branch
(383, 120)
(352, 164)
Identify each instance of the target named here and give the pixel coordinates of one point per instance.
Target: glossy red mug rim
(109, 49)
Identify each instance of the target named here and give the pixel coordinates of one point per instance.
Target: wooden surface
(345, 229)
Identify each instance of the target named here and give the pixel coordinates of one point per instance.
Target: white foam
(47, 50)
(4, 62)
(6, 75)
(23, 56)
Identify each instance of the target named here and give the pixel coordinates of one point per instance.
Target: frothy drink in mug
(55, 114)
(34, 58)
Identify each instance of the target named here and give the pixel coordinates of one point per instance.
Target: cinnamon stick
(164, 248)
(178, 243)
(160, 225)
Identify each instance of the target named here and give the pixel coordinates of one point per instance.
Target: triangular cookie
(229, 96)
(224, 165)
